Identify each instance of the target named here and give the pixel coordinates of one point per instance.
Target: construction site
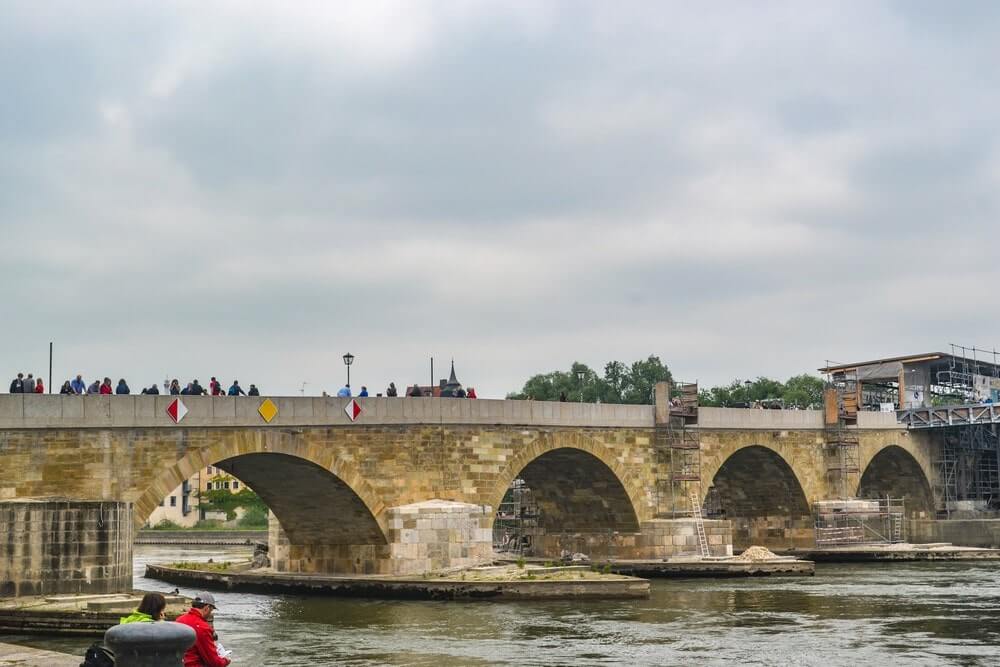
(945, 402)
(952, 397)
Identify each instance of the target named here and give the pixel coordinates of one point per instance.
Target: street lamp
(580, 375)
(747, 384)
(348, 360)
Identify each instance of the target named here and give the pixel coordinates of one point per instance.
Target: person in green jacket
(150, 609)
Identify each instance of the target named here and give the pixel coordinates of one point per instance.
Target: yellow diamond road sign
(268, 410)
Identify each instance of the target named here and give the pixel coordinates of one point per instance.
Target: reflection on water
(915, 614)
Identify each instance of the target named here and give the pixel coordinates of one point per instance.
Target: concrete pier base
(422, 537)
(658, 538)
(53, 546)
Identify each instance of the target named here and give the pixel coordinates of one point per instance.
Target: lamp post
(747, 384)
(580, 375)
(348, 360)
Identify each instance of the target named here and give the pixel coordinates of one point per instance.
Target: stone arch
(584, 496)
(299, 482)
(757, 489)
(896, 472)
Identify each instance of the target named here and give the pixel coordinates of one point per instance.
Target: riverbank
(902, 552)
(12, 655)
(504, 583)
(194, 537)
(716, 568)
(84, 615)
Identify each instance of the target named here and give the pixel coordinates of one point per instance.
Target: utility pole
(50, 367)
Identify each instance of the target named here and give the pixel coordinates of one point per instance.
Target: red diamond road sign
(352, 409)
(176, 410)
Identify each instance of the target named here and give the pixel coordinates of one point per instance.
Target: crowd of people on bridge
(33, 385)
(415, 391)
(27, 385)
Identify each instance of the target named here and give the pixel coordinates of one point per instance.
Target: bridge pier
(421, 537)
(57, 546)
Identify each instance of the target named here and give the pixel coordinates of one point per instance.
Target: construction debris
(756, 554)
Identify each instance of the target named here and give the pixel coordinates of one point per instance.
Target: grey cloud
(740, 190)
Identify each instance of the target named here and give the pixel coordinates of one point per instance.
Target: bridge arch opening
(565, 500)
(323, 524)
(758, 491)
(894, 472)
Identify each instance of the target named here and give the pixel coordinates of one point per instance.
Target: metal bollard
(160, 644)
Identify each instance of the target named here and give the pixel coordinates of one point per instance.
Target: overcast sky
(249, 190)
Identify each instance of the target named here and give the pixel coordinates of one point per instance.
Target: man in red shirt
(204, 652)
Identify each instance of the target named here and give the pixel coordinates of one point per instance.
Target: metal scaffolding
(969, 468)
(843, 467)
(516, 520)
(857, 521)
(679, 452)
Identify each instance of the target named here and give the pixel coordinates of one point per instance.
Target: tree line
(620, 383)
(800, 391)
(633, 383)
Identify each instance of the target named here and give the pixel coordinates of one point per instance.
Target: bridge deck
(31, 411)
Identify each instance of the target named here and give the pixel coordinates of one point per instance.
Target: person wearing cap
(204, 652)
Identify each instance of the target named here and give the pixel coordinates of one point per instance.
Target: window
(209, 470)
(236, 484)
(173, 501)
(225, 485)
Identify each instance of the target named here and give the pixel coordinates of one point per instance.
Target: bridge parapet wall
(30, 411)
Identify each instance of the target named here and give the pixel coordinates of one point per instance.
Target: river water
(866, 614)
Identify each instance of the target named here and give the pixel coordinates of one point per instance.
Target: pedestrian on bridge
(39, 387)
(78, 385)
(236, 389)
(175, 387)
(17, 386)
(344, 392)
(29, 384)
(95, 387)
(106, 389)
(122, 387)
(253, 391)
(364, 392)
(391, 391)
(67, 388)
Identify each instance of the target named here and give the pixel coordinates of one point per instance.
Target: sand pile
(756, 554)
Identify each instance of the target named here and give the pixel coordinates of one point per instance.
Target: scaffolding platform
(858, 521)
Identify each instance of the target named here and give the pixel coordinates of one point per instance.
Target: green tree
(804, 391)
(621, 383)
(615, 381)
(222, 500)
(642, 377)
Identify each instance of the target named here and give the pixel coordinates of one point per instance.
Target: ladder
(699, 524)
(897, 528)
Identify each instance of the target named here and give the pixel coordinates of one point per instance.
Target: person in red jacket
(204, 652)
(39, 387)
(106, 387)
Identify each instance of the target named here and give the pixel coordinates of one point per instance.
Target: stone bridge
(80, 473)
